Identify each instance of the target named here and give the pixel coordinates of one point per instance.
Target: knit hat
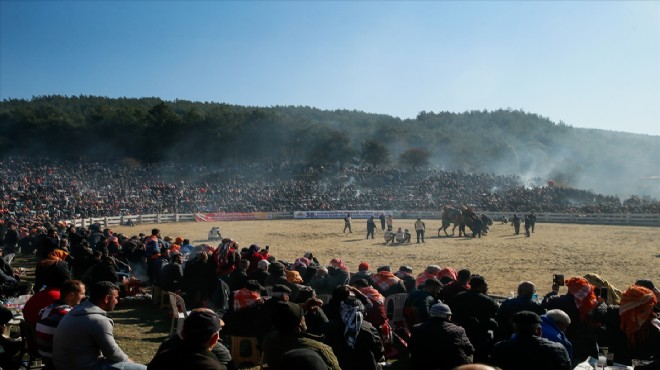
(279, 288)
(407, 269)
(287, 315)
(201, 322)
(384, 268)
(439, 310)
(363, 266)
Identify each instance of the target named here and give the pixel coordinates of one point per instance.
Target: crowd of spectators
(72, 189)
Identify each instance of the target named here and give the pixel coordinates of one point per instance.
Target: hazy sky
(592, 64)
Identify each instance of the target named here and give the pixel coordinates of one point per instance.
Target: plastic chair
(398, 300)
(244, 351)
(179, 312)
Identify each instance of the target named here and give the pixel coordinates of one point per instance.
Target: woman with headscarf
(355, 342)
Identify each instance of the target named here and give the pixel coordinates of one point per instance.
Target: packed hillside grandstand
(67, 189)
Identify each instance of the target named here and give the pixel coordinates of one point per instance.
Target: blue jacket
(551, 331)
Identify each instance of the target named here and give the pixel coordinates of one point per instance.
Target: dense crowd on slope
(66, 189)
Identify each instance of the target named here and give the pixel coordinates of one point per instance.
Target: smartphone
(558, 280)
(603, 293)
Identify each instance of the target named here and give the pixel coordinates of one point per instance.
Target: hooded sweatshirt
(83, 337)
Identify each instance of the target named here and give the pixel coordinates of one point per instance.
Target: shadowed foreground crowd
(61, 190)
(306, 314)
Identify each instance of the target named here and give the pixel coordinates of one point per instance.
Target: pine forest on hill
(502, 142)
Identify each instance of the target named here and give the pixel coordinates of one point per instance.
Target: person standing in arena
(371, 227)
(419, 228)
(515, 222)
(347, 223)
(382, 221)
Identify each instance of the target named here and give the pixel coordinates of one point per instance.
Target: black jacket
(529, 352)
(437, 344)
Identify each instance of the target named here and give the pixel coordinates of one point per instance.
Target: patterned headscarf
(613, 294)
(351, 315)
(336, 262)
(583, 292)
(449, 272)
(635, 311)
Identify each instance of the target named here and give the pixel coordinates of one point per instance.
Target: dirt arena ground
(619, 254)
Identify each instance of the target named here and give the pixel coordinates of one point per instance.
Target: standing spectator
(528, 226)
(420, 227)
(437, 343)
(382, 221)
(475, 312)
(84, 339)
(347, 223)
(527, 349)
(523, 302)
(71, 293)
(371, 227)
(390, 222)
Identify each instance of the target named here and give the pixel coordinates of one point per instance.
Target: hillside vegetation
(503, 141)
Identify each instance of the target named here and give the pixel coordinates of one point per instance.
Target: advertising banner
(232, 216)
(339, 214)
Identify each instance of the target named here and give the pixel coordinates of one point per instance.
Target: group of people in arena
(312, 314)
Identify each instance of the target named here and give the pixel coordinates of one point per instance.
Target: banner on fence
(232, 216)
(339, 214)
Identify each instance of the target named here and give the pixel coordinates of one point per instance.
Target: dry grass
(619, 254)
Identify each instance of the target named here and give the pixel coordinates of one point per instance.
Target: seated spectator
(321, 282)
(10, 347)
(199, 280)
(354, 341)
(171, 276)
(405, 274)
(362, 273)
(528, 349)
(247, 303)
(386, 283)
(71, 293)
(197, 348)
(419, 302)
(431, 272)
(461, 284)
(339, 273)
(84, 340)
(239, 277)
(260, 274)
(290, 333)
(554, 325)
(437, 343)
(612, 296)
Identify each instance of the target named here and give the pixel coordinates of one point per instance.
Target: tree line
(151, 130)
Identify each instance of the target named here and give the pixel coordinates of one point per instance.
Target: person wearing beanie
(437, 343)
(290, 333)
(527, 348)
(362, 273)
(195, 348)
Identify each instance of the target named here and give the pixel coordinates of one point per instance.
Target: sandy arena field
(619, 254)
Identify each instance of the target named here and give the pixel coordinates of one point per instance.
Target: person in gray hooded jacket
(84, 341)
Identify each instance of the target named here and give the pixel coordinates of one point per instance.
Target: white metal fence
(562, 218)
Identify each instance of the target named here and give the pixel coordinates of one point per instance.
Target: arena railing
(562, 218)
